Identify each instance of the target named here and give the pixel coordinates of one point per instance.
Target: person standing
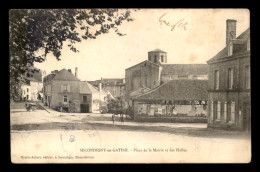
(113, 118)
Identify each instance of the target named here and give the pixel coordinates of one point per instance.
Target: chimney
(100, 86)
(230, 30)
(76, 71)
(69, 70)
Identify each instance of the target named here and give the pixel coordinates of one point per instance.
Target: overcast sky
(109, 55)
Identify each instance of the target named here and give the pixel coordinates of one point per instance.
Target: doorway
(84, 108)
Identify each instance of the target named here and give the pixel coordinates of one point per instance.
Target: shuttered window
(65, 88)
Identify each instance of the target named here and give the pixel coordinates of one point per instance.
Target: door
(84, 108)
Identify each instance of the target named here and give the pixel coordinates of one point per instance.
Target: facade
(61, 90)
(116, 86)
(173, 99)
(32, 86)
(91, 97)
(229, 91)
(155, 71)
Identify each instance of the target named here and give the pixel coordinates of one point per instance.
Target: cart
(30, 106)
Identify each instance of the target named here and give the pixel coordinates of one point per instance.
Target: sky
(198, 35)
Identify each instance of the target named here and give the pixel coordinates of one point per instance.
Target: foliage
(33, 34)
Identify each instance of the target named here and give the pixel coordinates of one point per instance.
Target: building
(32, 86)
(229, 93)
(155, 71)
(91, 97)
(116, 86)
(173, 99)
(61, 89)
(64, 91)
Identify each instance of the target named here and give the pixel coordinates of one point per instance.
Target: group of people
(114, 118)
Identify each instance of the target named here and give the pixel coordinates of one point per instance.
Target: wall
(73, 95)
(172, 119)
(146, 74)
(35, 88)
(25, 93)
(238, 94)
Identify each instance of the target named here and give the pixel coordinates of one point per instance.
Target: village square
(158, 106)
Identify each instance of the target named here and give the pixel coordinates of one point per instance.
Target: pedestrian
(113, 118)
(122, 118)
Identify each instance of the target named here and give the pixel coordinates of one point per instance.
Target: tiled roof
(65, 75)
(157, 50)
(224, 52)
(178, 90)
(185, 69)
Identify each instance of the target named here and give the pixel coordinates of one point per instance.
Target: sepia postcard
(130, 85)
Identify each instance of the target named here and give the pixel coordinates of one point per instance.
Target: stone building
(229, 93)
(64, 91)
(32, 86)
(61, 90)
(155, 71)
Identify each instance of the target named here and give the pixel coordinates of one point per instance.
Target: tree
(34, 31)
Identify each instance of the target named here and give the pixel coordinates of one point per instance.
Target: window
(247, 77)
(65, 88)
(216, 80)
(85, 99)
(27, 97)
(149, 58)
(27, 89)
(155, 59)
(230, 78)
(218, 110)
(233, 112)
(65, 99)
(225, 111)
(162, 59)
(211, 110)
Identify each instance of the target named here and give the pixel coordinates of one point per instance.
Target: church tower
(157, 56)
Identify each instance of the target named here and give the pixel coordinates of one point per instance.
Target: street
(43, 136)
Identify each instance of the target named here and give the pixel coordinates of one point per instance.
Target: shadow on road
(186, 131)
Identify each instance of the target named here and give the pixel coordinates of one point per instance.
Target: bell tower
(157, 56)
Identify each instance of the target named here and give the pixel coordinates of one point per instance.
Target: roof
(185, 69)
(157, 50)
(146, 61)
(178, 90)
(86, 88)
(65, 75)
(224, 52)
(108, 81)
(139, 91)
(34, 74)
